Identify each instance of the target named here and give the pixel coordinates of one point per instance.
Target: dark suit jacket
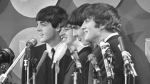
(139, 59)
(141, 64)
(82, 78)
(44, 74)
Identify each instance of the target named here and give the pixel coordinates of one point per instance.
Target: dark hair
(64, 23)
(104, 15)
(52, 14)
(76, 17)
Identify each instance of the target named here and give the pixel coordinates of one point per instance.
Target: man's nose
(83, 26)
(38, 28)
(61, 32)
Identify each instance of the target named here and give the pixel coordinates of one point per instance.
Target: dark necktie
(53, 69)
(53, 52)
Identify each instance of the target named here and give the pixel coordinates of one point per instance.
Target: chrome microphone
(108, 57)
(93, 60)
(75, 57)
(31, 43)
(129, 65)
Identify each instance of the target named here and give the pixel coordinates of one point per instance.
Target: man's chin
(87, 40)
(42, 41)
(86, 43)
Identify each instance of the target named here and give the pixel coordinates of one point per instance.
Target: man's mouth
(85, 32)
(63, 38)
(41, 35)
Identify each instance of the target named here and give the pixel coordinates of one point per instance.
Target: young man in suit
(82, 51)
(102, 22)
(48, 25)
(73, 35)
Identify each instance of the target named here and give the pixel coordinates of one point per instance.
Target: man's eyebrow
(43, 22)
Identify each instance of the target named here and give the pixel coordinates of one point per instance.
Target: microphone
(41, 60)
(6, 55)
(75, 57)
(122, 48)
(93, 60)
(31, 43)
(108, 58)
(4, 76)
(126, 57)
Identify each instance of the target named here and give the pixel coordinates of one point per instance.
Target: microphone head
(31, 43)
(103, 45)
(90, 57)
(122, 47)
(72, 49)
(6, 56)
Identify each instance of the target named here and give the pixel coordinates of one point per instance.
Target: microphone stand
(34, 70)
(75, 75)
(110, 74)
(27, 63)
(110, 59)
(128, 67)
(97, 77)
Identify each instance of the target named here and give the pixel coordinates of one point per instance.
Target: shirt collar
(113, 34)
(79, 45)
(48, 47)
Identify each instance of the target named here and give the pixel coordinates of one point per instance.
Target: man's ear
(102, 27)
(58, 28)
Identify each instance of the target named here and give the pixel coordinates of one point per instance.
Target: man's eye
(86, 20)
(43, 24)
